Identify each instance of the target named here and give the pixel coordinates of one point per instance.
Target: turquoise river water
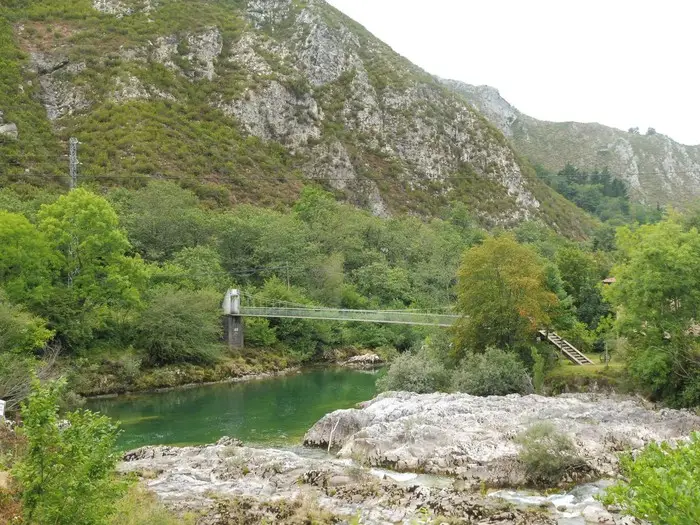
(274, 411)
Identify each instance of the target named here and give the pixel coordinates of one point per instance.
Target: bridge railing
(368, 316)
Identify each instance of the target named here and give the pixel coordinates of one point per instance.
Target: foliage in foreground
(661, 484)
(67, 473)
(547, 455)
(493, 373)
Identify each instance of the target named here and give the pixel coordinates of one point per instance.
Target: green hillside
(244, 104)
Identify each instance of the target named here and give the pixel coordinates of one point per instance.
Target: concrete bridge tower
(233, 321)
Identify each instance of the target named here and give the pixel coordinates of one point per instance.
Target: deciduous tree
(502, 296)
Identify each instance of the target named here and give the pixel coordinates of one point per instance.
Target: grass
(140, 507)
(568, 377)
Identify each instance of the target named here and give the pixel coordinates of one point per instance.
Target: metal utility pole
(73, 162)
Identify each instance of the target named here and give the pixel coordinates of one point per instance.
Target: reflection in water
(274, 411)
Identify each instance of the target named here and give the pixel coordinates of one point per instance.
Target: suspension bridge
(235, 310)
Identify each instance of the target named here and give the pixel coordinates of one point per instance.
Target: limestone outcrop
(472, 437)
(227, 479)
(8, 129)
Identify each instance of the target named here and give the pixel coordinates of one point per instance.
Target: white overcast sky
(622, 63)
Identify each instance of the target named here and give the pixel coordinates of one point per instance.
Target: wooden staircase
(566, 348)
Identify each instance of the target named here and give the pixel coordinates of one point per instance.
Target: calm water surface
(275, 411)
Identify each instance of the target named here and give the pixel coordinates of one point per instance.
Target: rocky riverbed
(447, 445)
(471, 438)
(228, 483)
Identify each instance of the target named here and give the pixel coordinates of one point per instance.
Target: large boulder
(472, 437)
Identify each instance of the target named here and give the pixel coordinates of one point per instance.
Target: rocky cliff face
(312, 91)
(657, 169)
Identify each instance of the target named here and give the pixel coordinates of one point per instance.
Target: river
(273, 412)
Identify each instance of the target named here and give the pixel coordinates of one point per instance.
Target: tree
(20, 331)
(180, 326)
(385, 285)
(93, 274)
(417, 372)
(581, 274)
(25, 258)
(502, 296)
(202, 268)
(67, 473)
(657, 294)
(162, 219)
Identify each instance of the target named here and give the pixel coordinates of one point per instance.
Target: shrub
(67, 472)
(661, 485)
(547, 455)
(180, 326)
(493, 373)
(415, 373)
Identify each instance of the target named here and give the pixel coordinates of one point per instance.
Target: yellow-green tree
(502, 296)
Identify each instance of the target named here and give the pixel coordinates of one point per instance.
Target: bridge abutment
(233, 331)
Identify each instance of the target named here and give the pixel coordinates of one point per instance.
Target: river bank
(104, 376)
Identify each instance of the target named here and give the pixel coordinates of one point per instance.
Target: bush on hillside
(493, 373)
(547, 455)
(180, 326)
(415, 373)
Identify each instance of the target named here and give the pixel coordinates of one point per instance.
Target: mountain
(657, 169)
(247, 101)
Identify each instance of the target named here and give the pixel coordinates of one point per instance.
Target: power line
(285, 178)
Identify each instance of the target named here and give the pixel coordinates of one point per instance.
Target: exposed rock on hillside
(657, 169)
(8, 129)
(58, 93)
(345, 108)
(229, 483)
(472, 437)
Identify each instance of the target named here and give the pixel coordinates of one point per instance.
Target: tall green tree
(582, 276)
(657, 296)
(93, 275)
(502, 296)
